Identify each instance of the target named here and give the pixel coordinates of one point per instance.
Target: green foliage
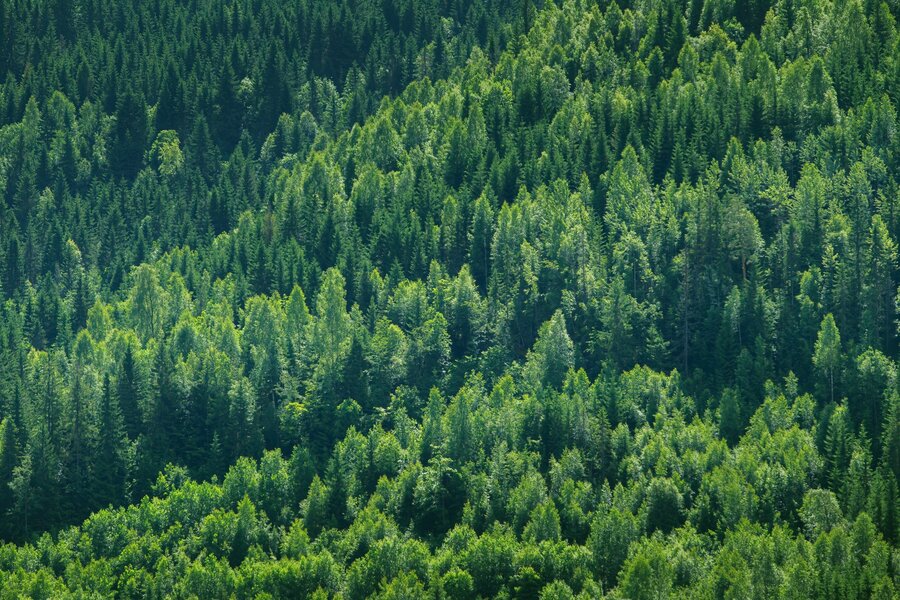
(827, 355)
(449, 299)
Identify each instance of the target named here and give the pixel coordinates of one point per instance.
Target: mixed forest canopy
(449, 299)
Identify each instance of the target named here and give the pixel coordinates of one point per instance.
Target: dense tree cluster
(440, 299)
(115, 117)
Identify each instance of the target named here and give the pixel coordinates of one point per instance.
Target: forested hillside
(449, 299)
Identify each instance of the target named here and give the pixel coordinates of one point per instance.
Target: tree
(820, 512)
(262, 339)
(838, 447)
(38, 481)
(438, 496)
(552, 355)
(874, 376)
(878, 290)
(226, 111)
(148, 302)
(461, 442)
(544, 524)
(131, 134)
(9, 459)
(663, 505)
(491, 225)
(432, 427)
(331, 330)
(855, 491)
(480, 239)
(387, 360)
(80, 434)
(465, 314)
(742, 233)
(244, 532)
(24, 495)
(457, 584)
(330, 341)
(165, 153)
(648, 574)
(244, 432)
(170, 108)
(429, 353)
(621, 318)
(129, 392)
(827, 354)
(731, 424)
(612, 533)
(110, 458)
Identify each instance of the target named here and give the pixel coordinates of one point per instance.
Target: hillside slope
(605, 307)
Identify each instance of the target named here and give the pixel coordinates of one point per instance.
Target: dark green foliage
(449, 299)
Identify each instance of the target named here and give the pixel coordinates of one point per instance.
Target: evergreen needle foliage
(449, 299)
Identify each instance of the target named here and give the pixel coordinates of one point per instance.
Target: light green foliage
(417, 299)
(827, 355)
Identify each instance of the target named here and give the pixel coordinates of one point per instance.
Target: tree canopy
(420, 298)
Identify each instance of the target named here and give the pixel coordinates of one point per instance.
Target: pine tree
(131, 134)
(110, 468)
(9, 459)
(838, 447)
(730, 421)
(129, 393)
(480, 240)
(879, 287)
(432, 427)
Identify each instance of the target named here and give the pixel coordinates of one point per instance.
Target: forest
(450, 299)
